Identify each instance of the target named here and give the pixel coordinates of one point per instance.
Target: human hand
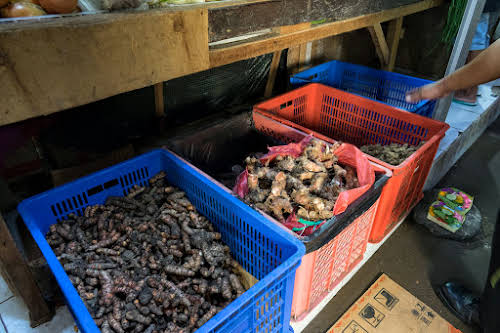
(430, 91)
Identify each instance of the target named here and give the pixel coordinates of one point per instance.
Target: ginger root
(307, 185)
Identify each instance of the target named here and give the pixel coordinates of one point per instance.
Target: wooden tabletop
(50, 65)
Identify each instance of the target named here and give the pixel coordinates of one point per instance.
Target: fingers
(414, 96)
(429, 91)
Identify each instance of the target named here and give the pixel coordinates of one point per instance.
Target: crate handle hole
(94, 190)
(110, 183)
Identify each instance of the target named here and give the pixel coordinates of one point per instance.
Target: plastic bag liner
(347, 154)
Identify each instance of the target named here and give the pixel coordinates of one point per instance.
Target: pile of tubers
(307, 185)
(147, 262)
(394, 153)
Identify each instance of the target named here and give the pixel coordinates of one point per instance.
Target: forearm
(484, 68)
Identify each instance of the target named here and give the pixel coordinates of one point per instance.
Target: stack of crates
(339, 245)
(331, 114)
(386, 87)
(266, 251)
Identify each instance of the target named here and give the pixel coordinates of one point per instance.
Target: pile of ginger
(308, 184)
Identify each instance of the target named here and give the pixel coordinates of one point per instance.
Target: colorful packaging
(455, 199)
(445, 216)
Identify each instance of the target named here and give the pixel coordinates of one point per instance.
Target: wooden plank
(380, 44)
(393, 37)
(293, 59)
(48, 66)
(303, 58)
(318, 52)
(226, 55)
(19, 275)
(159, 100)
(272, 74)
(233, 21)
(286, 29)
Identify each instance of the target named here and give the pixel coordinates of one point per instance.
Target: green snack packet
(445, 216)
(455, 199)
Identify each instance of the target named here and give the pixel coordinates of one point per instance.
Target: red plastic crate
(331, 114)
(322, 270)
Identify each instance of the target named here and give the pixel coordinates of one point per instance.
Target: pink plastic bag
(347, 154)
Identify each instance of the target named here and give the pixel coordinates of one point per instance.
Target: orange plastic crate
(322, 270)
(331, 114)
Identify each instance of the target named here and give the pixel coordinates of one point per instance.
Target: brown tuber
(307, 185)
(147, 262)
(393, 153)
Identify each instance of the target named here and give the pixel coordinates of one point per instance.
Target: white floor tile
(15, 315)
(460, 118)
(5, 292)
(2, 328)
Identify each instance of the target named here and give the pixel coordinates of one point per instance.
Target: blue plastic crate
(265, 250)
(386, 87)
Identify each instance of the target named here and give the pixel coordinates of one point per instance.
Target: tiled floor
(14, 316)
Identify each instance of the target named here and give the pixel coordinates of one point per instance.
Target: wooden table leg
(20, 277)
(159, 102)
(393, 37)
(380, 43)
(272, 74)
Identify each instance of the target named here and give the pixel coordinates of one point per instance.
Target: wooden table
(48, 65)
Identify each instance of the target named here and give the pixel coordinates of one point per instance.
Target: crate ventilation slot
(70, 205)
(138, 176)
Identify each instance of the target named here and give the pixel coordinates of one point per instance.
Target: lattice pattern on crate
(415, 176)
(321, 271)
(394, 93)
(299, 108)
(267, 310)
(295, 107)
(76, 204)
(71, 205)
(360, 125)
(136, 177)
(360, 83)
(341, 260)
(361, 235)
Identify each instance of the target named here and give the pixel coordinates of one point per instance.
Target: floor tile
(15, 316)
(460, 118)
(5, 292)
(2, 328)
